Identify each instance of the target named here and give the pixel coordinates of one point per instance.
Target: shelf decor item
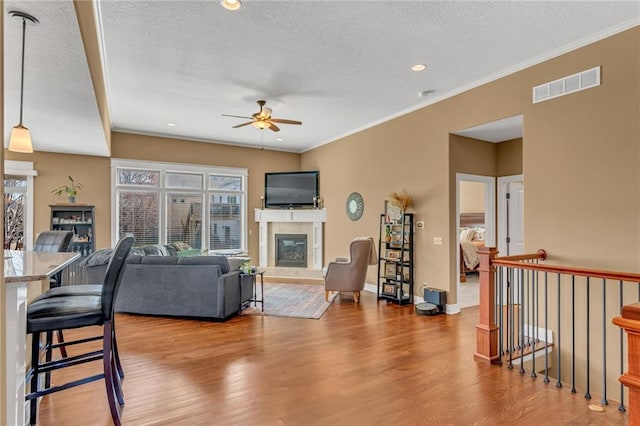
(71, 189)
(401, 199)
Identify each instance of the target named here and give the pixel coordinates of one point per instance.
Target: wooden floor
(368, 364)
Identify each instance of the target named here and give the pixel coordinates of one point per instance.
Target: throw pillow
(97, 258)
(189, 253)
(236, 262)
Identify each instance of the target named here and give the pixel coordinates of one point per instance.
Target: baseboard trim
(452, 309)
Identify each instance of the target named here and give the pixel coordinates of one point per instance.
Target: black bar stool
(67, 312)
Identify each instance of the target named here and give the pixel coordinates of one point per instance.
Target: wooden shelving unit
(80, 219)
(395, 262)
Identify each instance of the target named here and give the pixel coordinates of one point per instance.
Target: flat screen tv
(290, 189)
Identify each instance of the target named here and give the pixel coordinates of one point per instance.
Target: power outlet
(437, 241)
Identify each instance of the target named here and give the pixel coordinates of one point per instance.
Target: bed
(471, 238)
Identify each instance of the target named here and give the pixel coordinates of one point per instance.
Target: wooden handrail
(630, 322)
(486, 330)
(569, 270)
(540, 254)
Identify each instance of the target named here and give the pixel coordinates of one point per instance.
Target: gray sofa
(200, 286)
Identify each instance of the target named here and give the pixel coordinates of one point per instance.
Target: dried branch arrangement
(401, 199)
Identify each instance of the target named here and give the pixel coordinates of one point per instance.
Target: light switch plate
(437, 241)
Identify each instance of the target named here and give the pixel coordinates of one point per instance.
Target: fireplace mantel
(315, 217)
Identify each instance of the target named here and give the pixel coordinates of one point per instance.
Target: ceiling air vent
(564, 86)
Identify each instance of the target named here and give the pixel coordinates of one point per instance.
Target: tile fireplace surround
(297, 221)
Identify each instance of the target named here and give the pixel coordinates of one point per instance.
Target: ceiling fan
(262, 119)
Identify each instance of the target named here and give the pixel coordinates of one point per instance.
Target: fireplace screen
(291, 250)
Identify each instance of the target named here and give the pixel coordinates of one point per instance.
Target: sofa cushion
(206, 260)
(135, 259)
(159, 260)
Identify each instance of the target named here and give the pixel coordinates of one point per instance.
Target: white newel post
(316, 217)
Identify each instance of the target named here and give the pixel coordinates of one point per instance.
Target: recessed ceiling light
(418, 67)
(231, 4)
(279, 139)
(171, 124)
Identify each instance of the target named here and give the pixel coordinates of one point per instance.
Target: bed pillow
(467, 235)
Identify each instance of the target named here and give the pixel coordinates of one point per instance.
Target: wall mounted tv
(290, 189)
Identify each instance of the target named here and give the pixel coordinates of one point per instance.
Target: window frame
(24, 168)
(164, 190)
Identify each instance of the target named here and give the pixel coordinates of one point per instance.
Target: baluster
(573, 334)
(621, 406)
(559, 382)
(533, 327)
(604, 342)
(546, 328)
(522, 341)
(510, 315)
(587, 395)
(501, 313)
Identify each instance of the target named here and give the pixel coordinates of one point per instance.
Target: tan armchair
(351, 274)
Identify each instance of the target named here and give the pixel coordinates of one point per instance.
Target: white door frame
(503, 184)
(489, 216)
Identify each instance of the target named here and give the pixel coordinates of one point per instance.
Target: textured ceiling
(338, 67)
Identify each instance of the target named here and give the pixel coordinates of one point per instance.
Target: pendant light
(20, 136)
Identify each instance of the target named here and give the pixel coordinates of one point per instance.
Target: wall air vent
(563, 86)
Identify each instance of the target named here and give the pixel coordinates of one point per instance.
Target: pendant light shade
(20, 140)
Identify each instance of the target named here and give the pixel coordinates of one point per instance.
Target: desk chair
(46, 315)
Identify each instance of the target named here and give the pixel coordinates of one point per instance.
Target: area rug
(292, 300)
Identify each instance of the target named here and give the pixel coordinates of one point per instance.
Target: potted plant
(71, 189)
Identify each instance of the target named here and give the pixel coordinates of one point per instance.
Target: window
(165, 203)
(18, 205)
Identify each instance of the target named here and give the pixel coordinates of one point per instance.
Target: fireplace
(291, 250)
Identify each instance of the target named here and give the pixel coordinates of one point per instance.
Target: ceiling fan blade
(236, 116)
(243, 124)
(274, 128)
(283, 121)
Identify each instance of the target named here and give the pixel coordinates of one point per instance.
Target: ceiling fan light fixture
(231, 4)
(20, 140)
(261, 124)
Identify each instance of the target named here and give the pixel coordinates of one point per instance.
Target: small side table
(254, 299)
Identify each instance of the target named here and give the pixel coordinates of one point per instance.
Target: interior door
(515, 218)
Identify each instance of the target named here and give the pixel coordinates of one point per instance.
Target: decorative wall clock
(355, 206)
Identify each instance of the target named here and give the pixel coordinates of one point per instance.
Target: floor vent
(563, 86)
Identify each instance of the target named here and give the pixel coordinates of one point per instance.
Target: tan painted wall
(509, 158)
(580, 161)
(53, 169)
(471, 197)
(95, 174)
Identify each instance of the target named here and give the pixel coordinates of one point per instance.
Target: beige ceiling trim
(85, 13)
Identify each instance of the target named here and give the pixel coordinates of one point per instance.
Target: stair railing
(556, 320)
